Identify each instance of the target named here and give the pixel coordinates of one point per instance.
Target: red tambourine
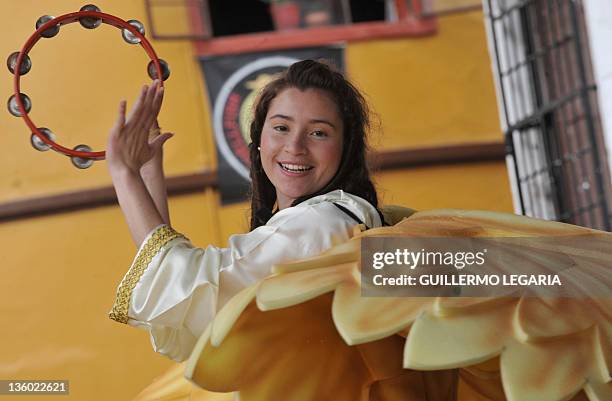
(90, 17)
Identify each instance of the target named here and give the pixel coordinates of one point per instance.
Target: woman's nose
(296, 144)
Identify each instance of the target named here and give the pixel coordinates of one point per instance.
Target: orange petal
(548, 371)
(228, 315)
(344, 253)
(287, 354)
(362, 319)
(449, 342)
(539, 318)
(289, 289)
(599, 391)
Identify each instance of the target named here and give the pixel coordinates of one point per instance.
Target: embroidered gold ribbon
(156, 241)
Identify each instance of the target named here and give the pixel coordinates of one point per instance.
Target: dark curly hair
(353, 175)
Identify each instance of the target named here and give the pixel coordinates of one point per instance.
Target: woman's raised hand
(128, 141)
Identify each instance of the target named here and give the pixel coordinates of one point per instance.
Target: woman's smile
(295, 169)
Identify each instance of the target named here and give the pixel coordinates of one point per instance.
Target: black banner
(233, 83)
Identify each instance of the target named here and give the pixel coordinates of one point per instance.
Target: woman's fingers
(137, 107)
(159, 141)
(147, 115)
(120, 122)
(150, 117)
(142, 116)
(140, 108)
(156, 106)
(130, 137)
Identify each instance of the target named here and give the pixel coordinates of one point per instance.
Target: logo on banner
(232, 112)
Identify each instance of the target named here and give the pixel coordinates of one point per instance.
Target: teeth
(295, 167)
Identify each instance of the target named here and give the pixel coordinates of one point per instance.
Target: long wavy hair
(353, 175)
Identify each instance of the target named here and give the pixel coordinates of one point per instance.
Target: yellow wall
(58, 280)
(60, 272)
(430, 91)
(433, 91)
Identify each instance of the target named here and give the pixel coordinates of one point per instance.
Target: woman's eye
(280, 128)
(319, 134)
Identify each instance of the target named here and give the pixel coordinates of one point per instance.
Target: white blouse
(174, 289)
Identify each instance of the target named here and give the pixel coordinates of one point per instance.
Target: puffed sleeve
(174, 289)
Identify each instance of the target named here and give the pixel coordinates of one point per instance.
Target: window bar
(548, 177)
(539, 131)
(504, 11)
(572, 169)
(547, 108)
(577, 169)
(512, 79)
(552, 144)
(589, 121)
(528, 138)
(512, 141)
(508, 134)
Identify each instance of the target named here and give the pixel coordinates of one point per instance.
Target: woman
(307, 333)
(308, 162)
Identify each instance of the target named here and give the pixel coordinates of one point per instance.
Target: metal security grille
(550, 114)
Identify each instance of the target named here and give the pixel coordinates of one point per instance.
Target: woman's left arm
(127, 151)
(136, 204)
(152, 173)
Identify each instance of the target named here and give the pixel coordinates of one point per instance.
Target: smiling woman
(310, 188)
(308, 138)
(280, 313)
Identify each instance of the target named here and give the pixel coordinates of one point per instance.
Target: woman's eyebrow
(314, 120)
(323, 122)
(282, 116)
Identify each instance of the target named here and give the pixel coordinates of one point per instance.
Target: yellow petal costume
(305, 332)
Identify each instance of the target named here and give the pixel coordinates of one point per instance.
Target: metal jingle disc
(51, 32)
(129, 36)
(90, 22)
(164, 68)
(38, 143)
(26, 63)
(13, 108)
(81, 162)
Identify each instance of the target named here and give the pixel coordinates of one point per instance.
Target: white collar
(359, 206)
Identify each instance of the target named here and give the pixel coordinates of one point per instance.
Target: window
(233, 17)
(550, 111)
(234, 26)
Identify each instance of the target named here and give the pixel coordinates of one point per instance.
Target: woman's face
(301, 143)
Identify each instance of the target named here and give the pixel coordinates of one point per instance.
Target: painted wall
(59, 277)
(430, 91)
(60, 272)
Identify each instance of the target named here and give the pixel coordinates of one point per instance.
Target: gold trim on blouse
(160, 237)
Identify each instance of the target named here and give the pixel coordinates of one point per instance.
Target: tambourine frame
(64, 20)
